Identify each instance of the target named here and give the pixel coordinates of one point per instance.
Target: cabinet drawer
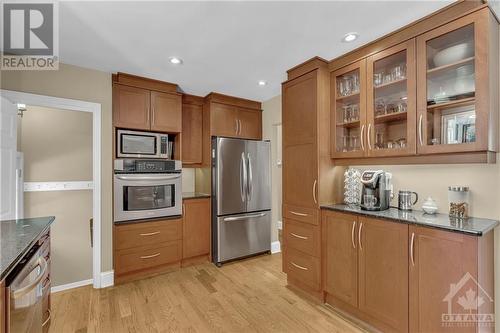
(135, 259)
(303, 268)
(140, 234)
(302, 214)
(303, 237)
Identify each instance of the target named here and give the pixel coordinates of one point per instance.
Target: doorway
(33, 100)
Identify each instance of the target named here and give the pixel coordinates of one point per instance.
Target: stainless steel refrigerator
(241, 198)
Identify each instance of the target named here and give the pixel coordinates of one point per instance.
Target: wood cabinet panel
(299, 99)
(192, 134)
(140, 234)
(303, 237)
(3, 313)
(250, 124)
(131, 107)
(439, 260)
(300, 175)
(147, 257)
(223, 120)
(304, 268)
(196, 228)
(166, 112)
(341, 256)
(383, 272)
(301, 214)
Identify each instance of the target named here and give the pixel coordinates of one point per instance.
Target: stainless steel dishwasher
(24, 310)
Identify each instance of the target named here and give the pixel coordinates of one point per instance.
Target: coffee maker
(377, 190)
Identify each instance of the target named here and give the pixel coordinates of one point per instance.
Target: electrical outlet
(279, 224)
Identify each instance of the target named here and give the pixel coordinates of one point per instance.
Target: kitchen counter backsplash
(472, 226)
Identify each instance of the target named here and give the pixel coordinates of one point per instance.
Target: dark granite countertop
(194, 195)
(17, 237)
(472, 225)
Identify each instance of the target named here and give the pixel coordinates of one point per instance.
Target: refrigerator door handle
(243, 177)
(250, 178)
(244, 217)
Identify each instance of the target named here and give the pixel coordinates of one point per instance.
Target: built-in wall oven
(135, 144)
(147, 189)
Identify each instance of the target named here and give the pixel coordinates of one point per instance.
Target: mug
(404, 200)
(369, 200)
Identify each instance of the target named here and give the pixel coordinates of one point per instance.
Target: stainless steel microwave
(142, 144)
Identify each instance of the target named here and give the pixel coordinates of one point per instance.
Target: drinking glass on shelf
(346, 85)
(354, 143)
(355, 83)
(390, 108)
(401, 107)
(398, 72)
(347, 113)
(379, 107)
(354, 112)
(345, 143)
(379, 140)
(388, 78)
(378, 78)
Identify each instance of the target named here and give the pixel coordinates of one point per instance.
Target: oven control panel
(147, 166)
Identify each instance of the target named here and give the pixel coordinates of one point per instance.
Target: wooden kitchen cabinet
(308, 179)
(391, 101)
(196, 228)
(3, 310)
(250, 124)
(166, 112)
(367, 269)
(425, 94)
(383, 273)
(145, 104)
(224, 120)
(439, 260)
(192, 130)
(341, 256)
(458, 92)
(131, 107)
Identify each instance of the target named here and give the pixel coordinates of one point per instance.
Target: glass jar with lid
(458, 200)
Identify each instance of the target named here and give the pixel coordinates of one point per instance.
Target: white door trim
(76, 105)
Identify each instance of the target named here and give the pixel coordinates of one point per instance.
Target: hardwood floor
(244, 296)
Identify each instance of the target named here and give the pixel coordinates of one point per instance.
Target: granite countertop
(194, 195)
(472, 225)
(17, 237)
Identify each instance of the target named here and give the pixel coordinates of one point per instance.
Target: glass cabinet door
(391, 101)
(452, 82)
(348, 111)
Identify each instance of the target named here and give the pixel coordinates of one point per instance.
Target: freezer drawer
(242, 235)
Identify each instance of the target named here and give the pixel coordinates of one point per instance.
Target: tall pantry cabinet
(308, 173)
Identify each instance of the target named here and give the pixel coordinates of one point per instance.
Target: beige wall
(86, 85)
(271, 116)
(57, 146)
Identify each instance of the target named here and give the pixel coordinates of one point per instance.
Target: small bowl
(429, 210)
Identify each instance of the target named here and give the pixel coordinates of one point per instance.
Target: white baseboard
(275, 247)
(107, 279)
(71, 285)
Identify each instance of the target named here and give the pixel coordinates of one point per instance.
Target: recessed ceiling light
(262, 83)
(175, 60)
(349, 37)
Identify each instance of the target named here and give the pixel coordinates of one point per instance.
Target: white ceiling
(226, 46)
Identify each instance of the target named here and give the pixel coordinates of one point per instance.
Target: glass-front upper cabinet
(453, 87)
(391, 101)
(348, 99)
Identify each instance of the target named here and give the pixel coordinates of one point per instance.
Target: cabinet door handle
(48, 318)
(298, 236)
(150, 233)
(420, 120)
(353, 231)
(412, 248)
(359, 236)
(314, 191)
(151, 256)
(368, 139)
(236, 126)
(183, 208)
(239, 123)
(300, 267)
(298, 214)
(363, 137)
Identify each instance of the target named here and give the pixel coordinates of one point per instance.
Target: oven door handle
(148, 177)
(42, 263)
